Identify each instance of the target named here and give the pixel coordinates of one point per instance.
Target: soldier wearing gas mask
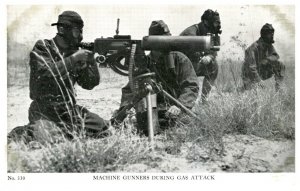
(262, 61)
(205, 63)
(56, 65)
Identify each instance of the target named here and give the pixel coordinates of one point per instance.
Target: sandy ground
(242, 153)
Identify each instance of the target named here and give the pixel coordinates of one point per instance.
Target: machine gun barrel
(179, 43)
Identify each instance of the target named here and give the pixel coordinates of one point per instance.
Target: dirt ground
(243, 153)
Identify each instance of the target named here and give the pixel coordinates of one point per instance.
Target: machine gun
(127, 57)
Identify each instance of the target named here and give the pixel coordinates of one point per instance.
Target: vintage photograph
(119, 88)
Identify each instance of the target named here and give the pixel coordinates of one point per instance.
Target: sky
(28, 23)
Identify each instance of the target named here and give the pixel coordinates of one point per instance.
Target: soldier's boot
(279, 73)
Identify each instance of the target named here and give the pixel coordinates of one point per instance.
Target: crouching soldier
(262, 61)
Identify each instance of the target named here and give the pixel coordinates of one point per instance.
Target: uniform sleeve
(45, 66)
(250, 59)
(188, 82)
(89, 77)
(273, 55)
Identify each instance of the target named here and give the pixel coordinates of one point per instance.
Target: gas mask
(212, 21)
(216, 27)
(72, 36)
(215, 23)
(269, 38)
(267, 33)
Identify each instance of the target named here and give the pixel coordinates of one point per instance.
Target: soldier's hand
(81, 55)
(206, 60)
(173, 111)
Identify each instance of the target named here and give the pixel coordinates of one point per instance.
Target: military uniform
(209, 70)
(261, 63)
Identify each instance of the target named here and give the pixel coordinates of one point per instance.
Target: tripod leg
(150, 118)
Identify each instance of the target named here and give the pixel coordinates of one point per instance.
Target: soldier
(262, 61)
(177, 77)
(56, 65)
(205, 63)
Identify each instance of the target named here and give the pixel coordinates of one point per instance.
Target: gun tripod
(144, 100)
